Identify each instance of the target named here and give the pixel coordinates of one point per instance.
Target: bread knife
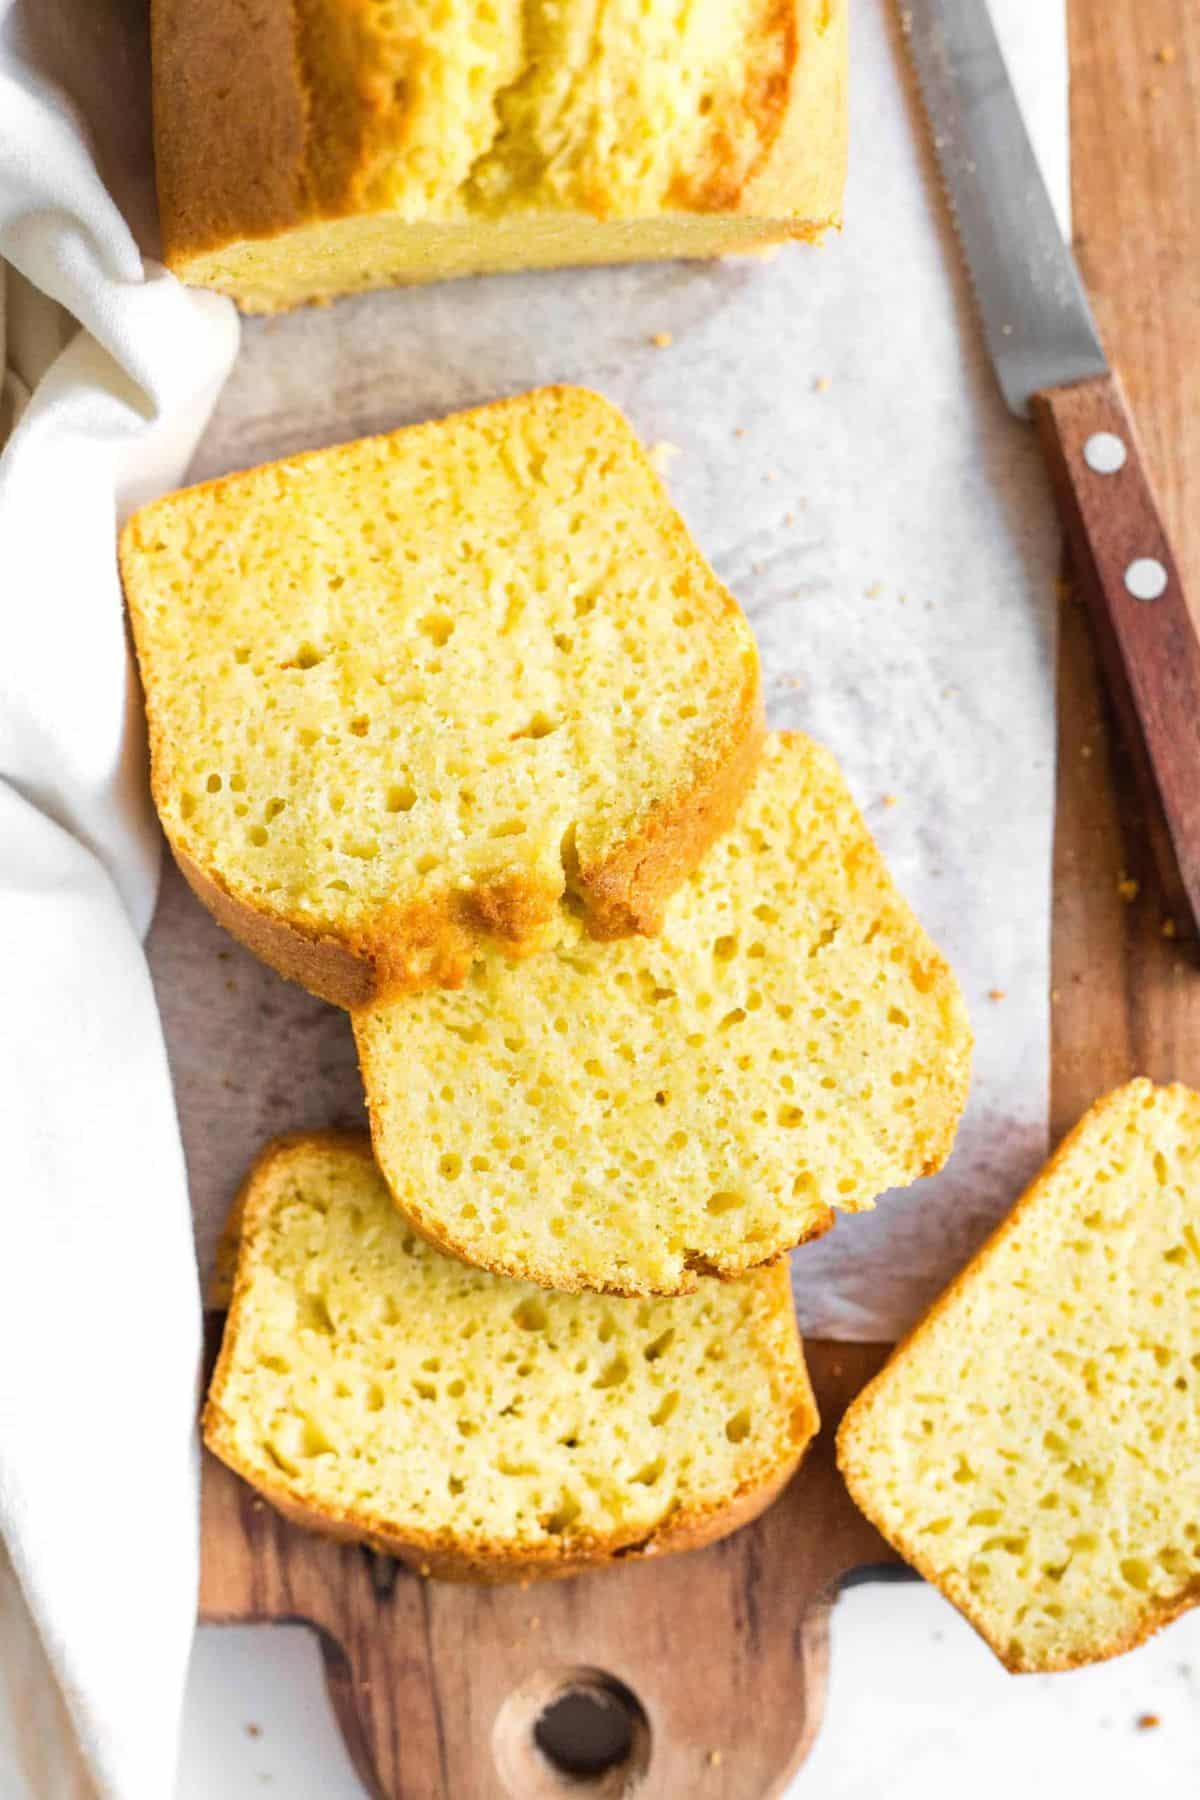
(1052, 369)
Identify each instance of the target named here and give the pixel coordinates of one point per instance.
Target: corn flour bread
(404, 694)
(1034, 1447)
(317, 148)
(477, 1427)
(629, 1117)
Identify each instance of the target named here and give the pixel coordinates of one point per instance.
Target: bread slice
(629, 1117)
(479, 1428)
(1034, 1447)
(330, 147)
(405, 693)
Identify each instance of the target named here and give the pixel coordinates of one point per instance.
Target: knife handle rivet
(1146, 578)
(1104, 453)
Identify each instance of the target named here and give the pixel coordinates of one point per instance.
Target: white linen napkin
(110, 372)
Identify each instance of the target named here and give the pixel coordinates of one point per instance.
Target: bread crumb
(1054, 996)
(661, 455)
(739, 431)
(424, 1569)
(1166, 53)
(253, 1731)
(891, 799)
(873, 592)
(789, 518)
(996, 994)
(1085, 750)
(772, 475)
(662, 340)
(1169, 929)
(1148, 1722)
(714, 1759)
(1128, 889)
(822, 384)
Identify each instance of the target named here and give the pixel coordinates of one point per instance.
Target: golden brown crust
(809, 152)
(438, 1555)
(626, 893)
(230, 122)
(250, 142)
(1162, 1609)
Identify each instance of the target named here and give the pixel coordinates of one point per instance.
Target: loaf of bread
(631, 1116)
(407, 695)
(1034, 1447)
(478, 1428)
(310, 150)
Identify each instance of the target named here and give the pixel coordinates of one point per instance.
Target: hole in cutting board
(588, 1731)
(566, 1733)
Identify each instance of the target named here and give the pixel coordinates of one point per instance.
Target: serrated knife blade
(1036, 318)
(1052, 368)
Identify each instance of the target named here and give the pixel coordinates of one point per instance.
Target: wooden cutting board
(714, 1664)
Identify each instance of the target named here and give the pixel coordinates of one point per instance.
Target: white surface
(918, 1709)
(99, 1322)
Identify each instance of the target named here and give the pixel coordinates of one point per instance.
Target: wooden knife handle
(1147, 642)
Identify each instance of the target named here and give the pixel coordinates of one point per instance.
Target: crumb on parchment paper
(662, 340)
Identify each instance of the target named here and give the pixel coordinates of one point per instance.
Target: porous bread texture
(476, 1427)
(404, 693)
(1034, 1446)
(314, 149)
(630, 1117)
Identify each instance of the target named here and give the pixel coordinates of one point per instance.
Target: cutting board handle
(708, 1671)
(1147, 641)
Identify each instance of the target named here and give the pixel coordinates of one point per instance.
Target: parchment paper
(845, 461)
